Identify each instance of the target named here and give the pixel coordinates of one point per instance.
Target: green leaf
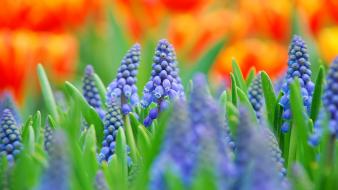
(233, 89)
(47, 92)
(269, 97)
(205, 63)
(144, 140)
(130, 138)
(173, 181)
(240, 82)
(89, 152)
(245, 101)
(121, 155)
(101, 88)
(232, 116)
(317, 94)
(37, 125)
(250, 76)
(28, 139)
(88, 111)
(223, 99)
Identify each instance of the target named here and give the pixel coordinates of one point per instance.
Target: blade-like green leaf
(130, 138)
(245, 101)
(89, 152)
(316, 100)
(240, 82)
(269, 97)
(121, 155)
(47, 92)
(233, 89)
(101, 88)
(250, 76)
(37, 125)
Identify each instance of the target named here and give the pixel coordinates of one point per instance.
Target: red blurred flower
(184, 5)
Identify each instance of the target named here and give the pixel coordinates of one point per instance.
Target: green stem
(130, 137)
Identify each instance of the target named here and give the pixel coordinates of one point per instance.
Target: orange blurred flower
(328, 43)
(263, 55)
(21, 50)
(184, 5)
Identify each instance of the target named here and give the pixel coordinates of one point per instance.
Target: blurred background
(65, 35)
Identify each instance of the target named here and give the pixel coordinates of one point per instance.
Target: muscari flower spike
(7, 101)
(100, 181)
(317, 133)
(330, 97)
(164, 84)
(48, 134)
(10, 139)
(90, 91)
(123, 88)
(178, 152)
(298, 67)
(56, 176)
(112, 122)
(255, 94)
(207, 122)
(252, 158)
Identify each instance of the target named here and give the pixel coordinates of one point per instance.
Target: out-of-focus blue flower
(178, 152)
(10, 139)
(314, 138)
(278, 83)
(112, 122)
(330, 97)
(255, 94)
(7, 102)
(56, 176)
(253, 158)
(164, 83)
(48, 134)
(90, 91)
(298, 67)
(100, 181)
(123, 88)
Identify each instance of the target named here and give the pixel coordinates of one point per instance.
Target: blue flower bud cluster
(164, 84)
(90, 91)
(48, 134)
(112, 122)
(57, 175)
(298, 67)
(330, 97)
(10, 138)
(123, 88)
(253, 156)
(6, 101)
(255, 93)
(317, 132)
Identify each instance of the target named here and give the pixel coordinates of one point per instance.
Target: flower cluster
(100, 181)
(10, 138)
(56, 176)
(123, 88)
(6, 101)
(112, 122)
(48, 135)
(253, 156)
(90, 91)
(298, 67)
(164, 83)
(330, 97)
(255, 94)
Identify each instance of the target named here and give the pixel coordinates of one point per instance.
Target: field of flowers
(168, 94)
(179, 134)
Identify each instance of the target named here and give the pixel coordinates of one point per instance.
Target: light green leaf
(317, 94)
(233, 90)
(121, 155)
(240, 82)
(101, 88)
(269, 97)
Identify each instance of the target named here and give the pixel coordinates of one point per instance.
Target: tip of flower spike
(89, 70)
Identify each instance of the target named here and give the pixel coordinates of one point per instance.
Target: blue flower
(100, 181)
(112, 122)
(123, 88)
(253, 158)
(10, 139)
(165, 83)
(56, 176)
(6, 101)
(330, 97)
(255, 94)
(90, 91)
(298, 67)
(317, 133)
(48, 134)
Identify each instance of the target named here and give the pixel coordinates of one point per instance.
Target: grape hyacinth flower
(298, 67)
(123, 88)
(314, 138)
(7, 101)
(48, 134)
(100, 181)
(330, 97)
(56, 176)
(255, 94)
(164, 84)
(112, 122)
(10, 139)
(278, 83)
(207, 120)
(253, 158)
(90, 91)
(178, 152)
